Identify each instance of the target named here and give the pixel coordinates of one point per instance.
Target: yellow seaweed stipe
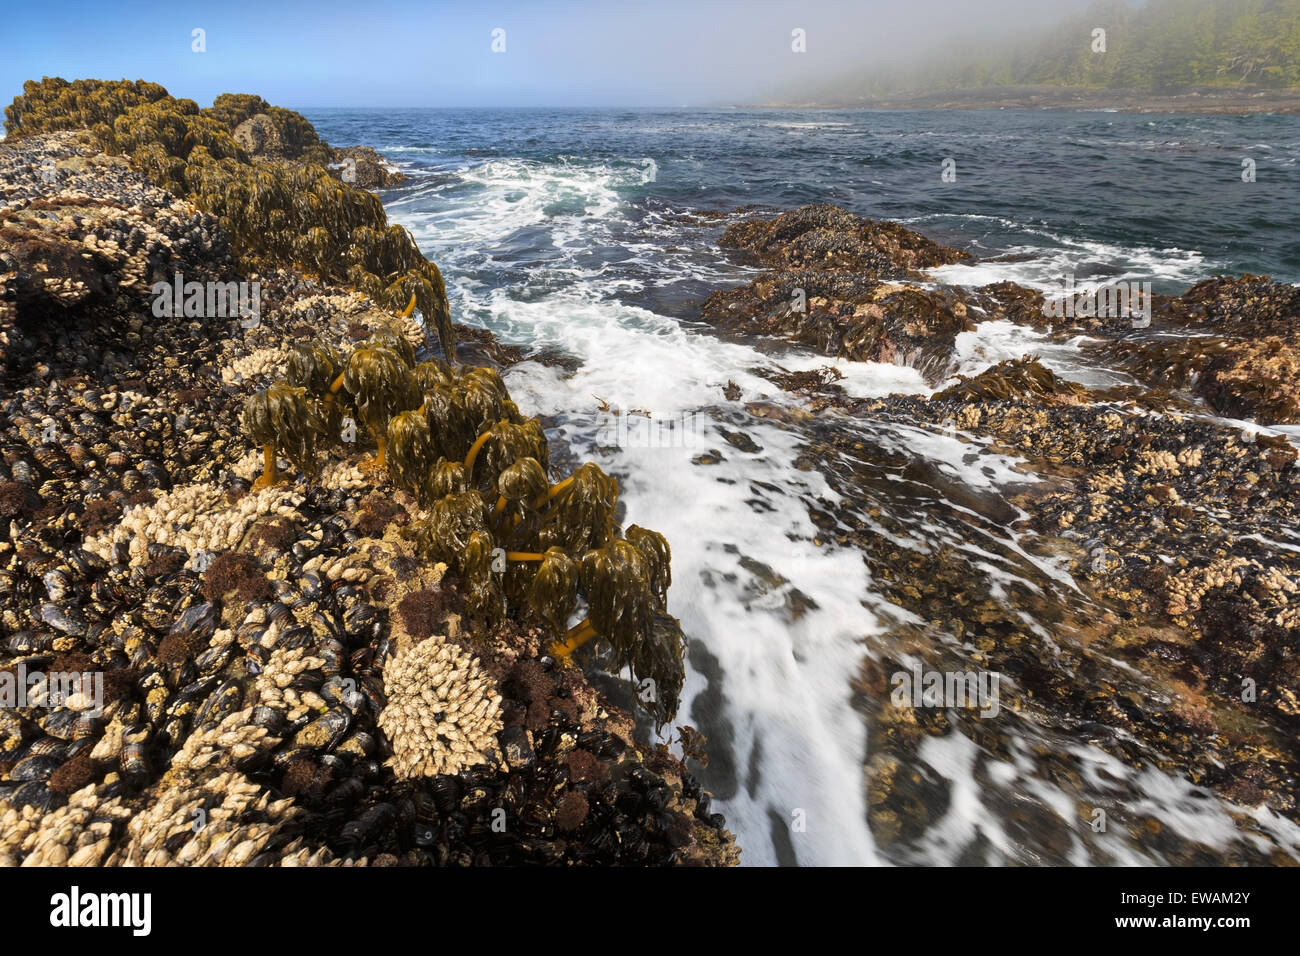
(474, 449)
(283, 418)
(577, 636)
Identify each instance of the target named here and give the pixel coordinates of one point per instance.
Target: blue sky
(438, 53)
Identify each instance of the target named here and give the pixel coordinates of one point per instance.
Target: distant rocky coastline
(1194, 100)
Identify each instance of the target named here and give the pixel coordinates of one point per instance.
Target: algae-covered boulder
(230, 160)
(833, 286)
(1019, 379)
(822, 236)
(1242, 356)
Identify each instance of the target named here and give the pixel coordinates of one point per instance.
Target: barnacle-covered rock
(193, 518)
(224, 820)
(272, 209)
(280, 684)
(443, 711)
(243, 632)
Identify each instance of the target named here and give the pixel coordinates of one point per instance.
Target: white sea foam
(796, 741)
(998, 340)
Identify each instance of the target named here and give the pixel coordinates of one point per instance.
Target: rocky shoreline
(270, 655)
(1177, 650)
(269, 650)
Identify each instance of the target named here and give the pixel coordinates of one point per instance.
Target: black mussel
(220, 704)
(35, 767)
(48, 746)
(515, 747)
(446, 791)
(65, 618)
(324, 732)
(198, 619)
(29, 642)
(340, 692)
(359, 744)
(268, 717)
(292, 638)
(134, 759)
(67, 724)
(36, 795)
(362, 623)
(214, 660)
(369, 826)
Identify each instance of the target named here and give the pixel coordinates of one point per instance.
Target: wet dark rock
(824, 237)
(371, 170)
(831, 289)
(1175, 651)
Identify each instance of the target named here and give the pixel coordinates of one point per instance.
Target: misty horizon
(565, 54)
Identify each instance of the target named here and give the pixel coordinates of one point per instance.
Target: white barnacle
(442, 711)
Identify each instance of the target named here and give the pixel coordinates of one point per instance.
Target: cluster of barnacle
(1187, 588)
(456, 443)
(225, 820)
(1259, 381)
(443, 710)
(276, 214)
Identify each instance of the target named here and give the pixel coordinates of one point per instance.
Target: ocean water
(593, 235)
